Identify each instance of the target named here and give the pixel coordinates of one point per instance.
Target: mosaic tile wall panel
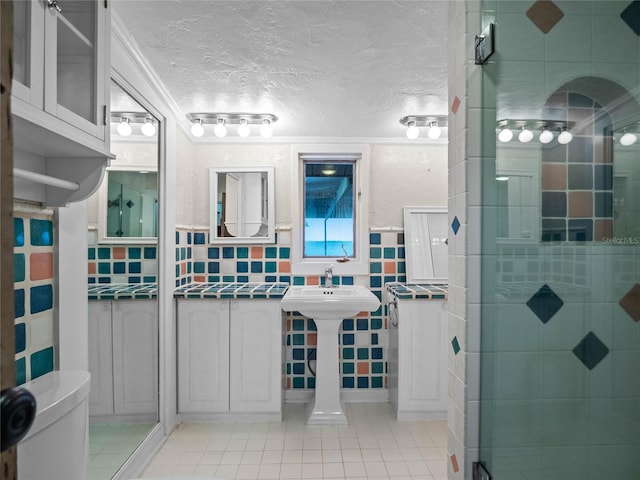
(122, 263)
(363, 340)
(34, 294)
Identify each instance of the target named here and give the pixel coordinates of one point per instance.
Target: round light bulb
(243, 129)
(505, 135)
(546, 136)
(525, 136)
(412, 131)
(197, 129)
(266, 130)
(148, 129)
(434, 131)
(124, 128)
(565, 137)
(220, 130)
(628, 139)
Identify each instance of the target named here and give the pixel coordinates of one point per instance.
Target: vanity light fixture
(123, 128)
(526, 127)
(546, 136)
(243, 120)
(628, 139)
(525, 135)
(505, 134)
(148, 129)
(565, 137)
(432, 122)
(197, 129)
(329, 170)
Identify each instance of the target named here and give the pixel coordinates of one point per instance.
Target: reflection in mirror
(123, 334)
(518, 205)
(426, 241)
(242, 205)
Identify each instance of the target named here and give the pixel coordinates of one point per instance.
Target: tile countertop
(259, 290)
(121, 291)
(418, 291)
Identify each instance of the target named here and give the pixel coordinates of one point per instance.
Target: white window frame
(359, 264)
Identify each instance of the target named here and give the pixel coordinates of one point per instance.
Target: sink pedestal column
(326, 406)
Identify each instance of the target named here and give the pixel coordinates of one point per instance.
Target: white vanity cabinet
(230, 358)
(123, 352)
(418, 358)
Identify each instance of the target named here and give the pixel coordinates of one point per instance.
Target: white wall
(401, 175)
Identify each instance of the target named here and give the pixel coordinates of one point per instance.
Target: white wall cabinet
(123, 360)
(230, 358)
(418, 359)
(60, 93)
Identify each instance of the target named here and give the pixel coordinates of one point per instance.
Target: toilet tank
(57, 446)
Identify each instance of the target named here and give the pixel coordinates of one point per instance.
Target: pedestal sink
(328, 306)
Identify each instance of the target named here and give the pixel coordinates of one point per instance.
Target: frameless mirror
(241, 205)
(425, 239)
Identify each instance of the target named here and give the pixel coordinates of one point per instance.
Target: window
(330, 209)
(329, 218)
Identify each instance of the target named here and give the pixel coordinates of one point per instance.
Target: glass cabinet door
(28, 52)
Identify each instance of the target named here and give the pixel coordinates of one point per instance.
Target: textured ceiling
(325, 68)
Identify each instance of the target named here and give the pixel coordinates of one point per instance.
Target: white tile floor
(373, 446)
(111, 445)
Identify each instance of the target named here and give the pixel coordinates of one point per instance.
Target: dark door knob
(17, 412)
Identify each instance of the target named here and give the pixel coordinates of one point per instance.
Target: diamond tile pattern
(545, 15)
(630, 303)
(591, 351)
(545, 303)
(631, 16)
(456, 345)
(455, 225)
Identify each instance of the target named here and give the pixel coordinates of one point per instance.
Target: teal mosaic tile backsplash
(34, 294)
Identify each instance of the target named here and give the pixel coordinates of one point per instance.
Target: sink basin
(336, 302)
(328, 307)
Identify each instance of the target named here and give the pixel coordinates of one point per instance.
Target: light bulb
(412, 130)
(243, 129)
(266, 129)
(148, 129)
(628, 139)
(565, 137)
(220, 130)
(434, 131)
(505, 135)
(526, 135)
(197, 129)
(124, 128)
(546, 136)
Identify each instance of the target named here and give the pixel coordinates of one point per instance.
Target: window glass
(329, 216)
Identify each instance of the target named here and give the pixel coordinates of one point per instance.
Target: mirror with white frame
(426, 241)
(241, 207)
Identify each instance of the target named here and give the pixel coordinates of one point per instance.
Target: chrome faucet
(328, 277)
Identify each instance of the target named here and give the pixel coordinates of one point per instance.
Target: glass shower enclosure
(560, 334)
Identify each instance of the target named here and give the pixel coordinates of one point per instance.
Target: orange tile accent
(257, 252)
(92, 268)
(119, 253)
(602, 230)
(554, 177)
(312, 338)
(313, 280)
(288, 325)
(630, 303)
(284, 267)
(199, 278)
(364, 313)
(183, 268)
(545, 14)
(454, 463)
(389, 267)
(41, 266)
(455, 105)
(363, 368)
(580, 204)
(288, 382)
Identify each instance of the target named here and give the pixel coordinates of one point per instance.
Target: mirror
(426, 239)
(122, 238)
(242, 205)
(517, 194)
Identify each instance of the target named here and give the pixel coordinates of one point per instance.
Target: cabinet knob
(53, 4)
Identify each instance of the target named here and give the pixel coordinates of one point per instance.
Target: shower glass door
(560, 361)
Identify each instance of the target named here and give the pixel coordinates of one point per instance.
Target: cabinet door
(256, 358)
(203, 356)
(75, 54)
(100, 358)
(135, 356)
(421, 352)
(28, 51)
